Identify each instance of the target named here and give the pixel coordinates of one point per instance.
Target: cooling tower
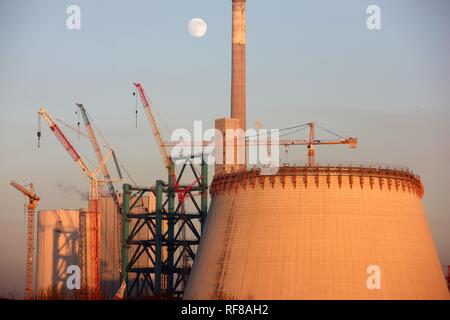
(325, 232)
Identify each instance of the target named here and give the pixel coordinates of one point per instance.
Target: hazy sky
(307, 61)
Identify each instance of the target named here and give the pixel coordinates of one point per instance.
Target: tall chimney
(238, 84)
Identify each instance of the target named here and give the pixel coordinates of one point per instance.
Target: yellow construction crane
(33, 201)
(309, 143)
(312, 141)
(93, 204)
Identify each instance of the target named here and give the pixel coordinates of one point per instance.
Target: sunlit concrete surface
(310, 233)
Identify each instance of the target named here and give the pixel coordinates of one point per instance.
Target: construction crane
(93, 203)
(312, 141)
(309, 143)
(182, 193)
(162, 149)
(116, 161)
(99, 155)
(162, 145)
(33, 201)
(156, 132)
(105, 171)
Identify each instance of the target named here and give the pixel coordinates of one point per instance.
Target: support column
(171, 233)
(204, 196)
(125, 232)
(158, 238)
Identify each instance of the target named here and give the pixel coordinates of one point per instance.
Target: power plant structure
(313, 232)
(309, 231)
(59, 242)
(166, 236)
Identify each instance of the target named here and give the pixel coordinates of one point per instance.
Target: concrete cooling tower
(323, 232)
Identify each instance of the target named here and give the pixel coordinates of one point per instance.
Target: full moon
(197, 27)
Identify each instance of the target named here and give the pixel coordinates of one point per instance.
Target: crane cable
(160, 117)
(98, 130)
(329, 131)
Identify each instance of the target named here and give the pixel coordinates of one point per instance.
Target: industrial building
(311, 232)
(302, 232)
(59, 244)
(57, 248)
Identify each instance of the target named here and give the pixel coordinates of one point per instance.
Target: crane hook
(135, 109)
(78, 122)
(39, 134)
(39, 138)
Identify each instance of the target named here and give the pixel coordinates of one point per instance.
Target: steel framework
(166, 251)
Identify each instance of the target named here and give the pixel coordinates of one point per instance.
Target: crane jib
(58, 133)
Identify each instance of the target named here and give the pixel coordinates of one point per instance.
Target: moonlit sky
(307, 61)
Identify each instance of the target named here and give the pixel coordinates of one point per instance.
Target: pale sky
(307, 60)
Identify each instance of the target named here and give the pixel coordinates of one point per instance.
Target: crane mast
(33, 201)
(310, 145)
(93, 289)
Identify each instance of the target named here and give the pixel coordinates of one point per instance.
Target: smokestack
(238, 83)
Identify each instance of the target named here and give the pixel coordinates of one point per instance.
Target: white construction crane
(99, 155)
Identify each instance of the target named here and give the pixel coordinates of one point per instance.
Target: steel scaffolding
(171, 235)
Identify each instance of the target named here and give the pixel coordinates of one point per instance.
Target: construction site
(232, 230)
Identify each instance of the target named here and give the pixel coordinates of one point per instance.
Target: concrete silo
(315, 233)
(57, 249)
(59, 235)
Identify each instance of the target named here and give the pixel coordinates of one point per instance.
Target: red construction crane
(93, 205)
(168, 162)
(33, 201)
(156, 132)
